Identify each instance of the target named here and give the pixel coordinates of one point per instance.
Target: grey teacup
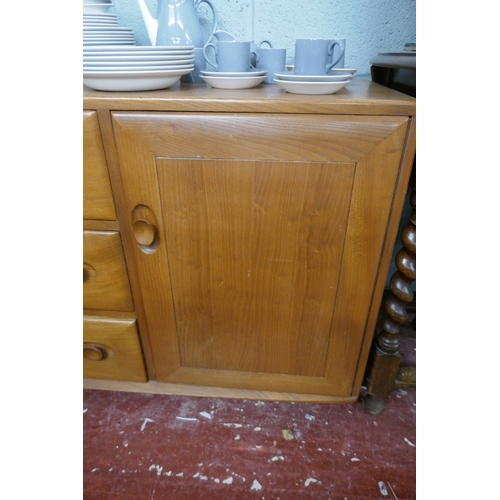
(314, 56)
(231, 56)
(271, 59)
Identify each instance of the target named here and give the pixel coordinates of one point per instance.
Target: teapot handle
(214, 15)
(265, 41)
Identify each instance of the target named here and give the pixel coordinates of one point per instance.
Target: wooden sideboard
(237, 242)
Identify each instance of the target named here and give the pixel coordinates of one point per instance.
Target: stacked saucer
(134, 67)
(336, 80)
(226, 80)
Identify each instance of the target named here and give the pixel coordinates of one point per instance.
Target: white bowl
(311, 87)
(132, 81)
(240, 82)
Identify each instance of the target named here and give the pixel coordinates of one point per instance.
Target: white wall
(370, 26)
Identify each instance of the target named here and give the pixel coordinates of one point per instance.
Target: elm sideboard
(237, 242)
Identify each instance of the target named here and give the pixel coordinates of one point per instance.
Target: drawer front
(97, 196)
(105, 280)
(112, 350)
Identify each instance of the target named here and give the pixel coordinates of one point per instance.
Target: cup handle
(265, 41)
(256, 59)
(330, 52)
(213, 64)
(214, 15)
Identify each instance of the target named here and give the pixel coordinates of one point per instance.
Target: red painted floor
(158, 447)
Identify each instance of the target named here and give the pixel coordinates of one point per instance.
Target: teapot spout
(150, 22)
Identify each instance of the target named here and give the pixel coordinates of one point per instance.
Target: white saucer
(237, 82)
(311, 87)
(225, 74)
(290, 76)
(336, 71)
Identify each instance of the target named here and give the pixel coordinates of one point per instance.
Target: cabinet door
(257, 240)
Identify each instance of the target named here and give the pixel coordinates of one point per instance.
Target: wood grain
(359, 97)
(238, 194)
(108, 288)
(120, 338)
(254, 250)
(97, 197)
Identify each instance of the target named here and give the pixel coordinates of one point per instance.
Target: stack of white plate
(226, 80)
(135, 68)
(336, 80)
(101, 28)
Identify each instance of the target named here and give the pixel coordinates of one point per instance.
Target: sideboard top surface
(359, 97)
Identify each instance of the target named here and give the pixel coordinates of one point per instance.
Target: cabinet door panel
(254, 251)
(269, 232)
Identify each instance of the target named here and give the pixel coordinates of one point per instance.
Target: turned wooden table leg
(385, 356)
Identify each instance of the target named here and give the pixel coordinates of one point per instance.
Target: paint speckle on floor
(256, 486)
(135, 446)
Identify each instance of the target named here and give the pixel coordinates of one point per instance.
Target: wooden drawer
(111, 349)
(97, 196)
(105, 280)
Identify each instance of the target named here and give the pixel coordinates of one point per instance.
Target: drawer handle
(88, 272)
(144, 232)
(96, 352)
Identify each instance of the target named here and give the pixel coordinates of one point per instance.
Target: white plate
(311, 87)
(99, 22)
(290, 76)
(239, 82)
(182, 59)
(101, 52)
(137, 69)
(112, 64)
(132, 81)
(107, 36)
(171, 50)
(116, 43)
(225, 74)
(90, 14)
(96, 8)
(106, 29)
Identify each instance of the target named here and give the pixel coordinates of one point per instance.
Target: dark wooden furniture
(397, 71)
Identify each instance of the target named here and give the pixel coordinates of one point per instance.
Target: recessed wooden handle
(144, 232)
(88, 272)
(96, 352)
